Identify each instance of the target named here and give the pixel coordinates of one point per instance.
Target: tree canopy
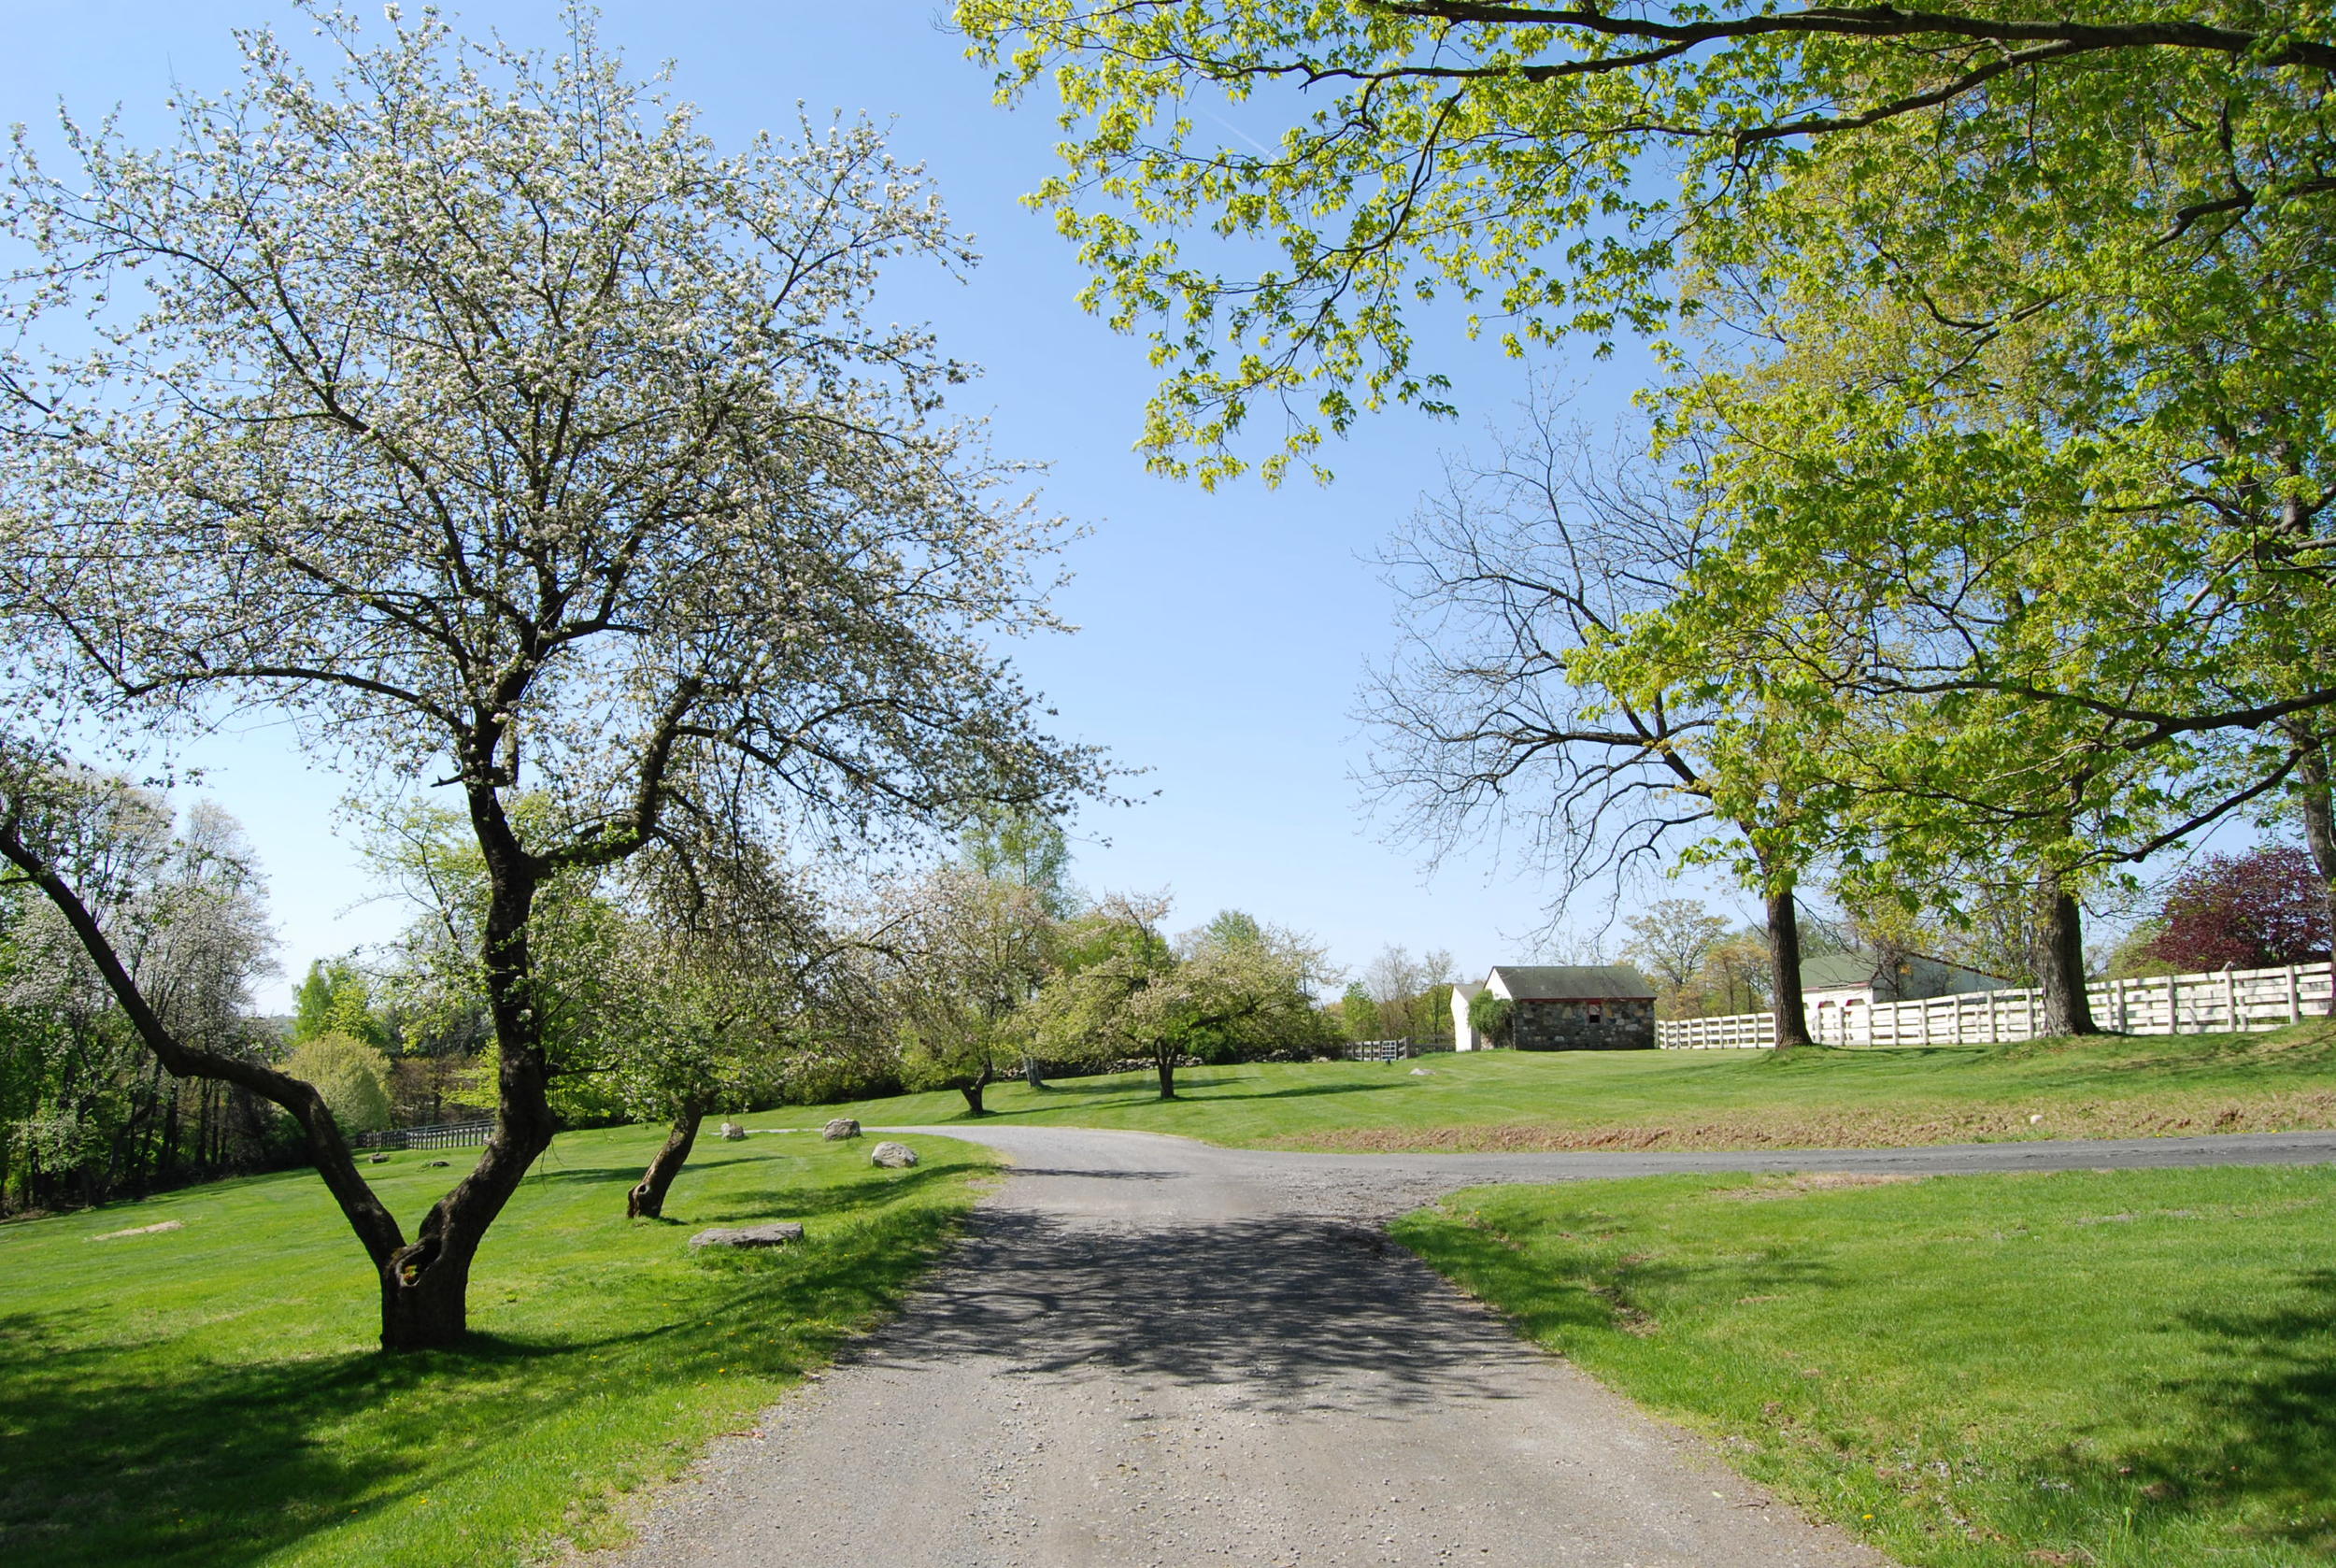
(1548, 169)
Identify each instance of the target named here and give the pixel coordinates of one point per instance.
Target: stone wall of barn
(1626, 1024)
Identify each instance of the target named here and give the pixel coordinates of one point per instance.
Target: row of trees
(667, 989)
(994, 977)
(86, 1111)
(1400, 997)
(1975, 545)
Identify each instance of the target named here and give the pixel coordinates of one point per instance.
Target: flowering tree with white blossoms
(473, 410)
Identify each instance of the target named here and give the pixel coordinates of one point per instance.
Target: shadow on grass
(2261, 1430)
(1298, 1092)
(1188, 1091)
(818, 1203)
(202, 1449)
(1553, 1297)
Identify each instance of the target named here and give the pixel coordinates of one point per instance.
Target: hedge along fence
(2228, 1000)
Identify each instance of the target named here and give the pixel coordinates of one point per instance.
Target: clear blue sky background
(1223, 634)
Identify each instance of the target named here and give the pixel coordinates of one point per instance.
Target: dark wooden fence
(1393, 1051)
(444, 1135)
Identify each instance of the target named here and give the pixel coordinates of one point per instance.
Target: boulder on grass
(378, 1160)
(778, 1232)
(732, 1131)
(892, 1155)
(842, 1127)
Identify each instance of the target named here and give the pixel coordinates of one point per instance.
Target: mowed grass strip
(2095, 1088)
(2122, 1369)
(211, 1395)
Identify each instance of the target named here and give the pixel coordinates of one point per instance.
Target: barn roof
(1570, 982)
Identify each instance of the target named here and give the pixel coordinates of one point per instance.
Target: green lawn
(210, 1395)
(1509, 1100)
(2125, 1369)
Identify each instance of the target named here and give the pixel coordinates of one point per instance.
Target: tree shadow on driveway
(1298, 1313)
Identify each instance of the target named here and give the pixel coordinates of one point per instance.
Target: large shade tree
(474, 411)
(2087, 254)
(1545, 168)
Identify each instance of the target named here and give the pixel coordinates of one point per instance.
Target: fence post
(2295, 997)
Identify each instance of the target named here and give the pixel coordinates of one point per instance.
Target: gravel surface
(1150, 1352)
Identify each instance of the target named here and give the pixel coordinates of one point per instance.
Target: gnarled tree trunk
(647, 1201)
(425, 1284)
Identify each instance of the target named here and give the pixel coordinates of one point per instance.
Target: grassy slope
(2102, 1088)
(607, 1355)
(2119, 1369)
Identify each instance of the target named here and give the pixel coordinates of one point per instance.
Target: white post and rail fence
(2228, 1000)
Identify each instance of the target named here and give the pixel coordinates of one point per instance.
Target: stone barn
(1572, 1007)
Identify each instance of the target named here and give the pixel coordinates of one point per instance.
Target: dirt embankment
(1859, 1127)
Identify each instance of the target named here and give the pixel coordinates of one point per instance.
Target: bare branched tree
(1487, 730)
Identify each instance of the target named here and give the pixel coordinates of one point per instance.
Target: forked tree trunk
(427, 1308)
(972, 1093)
(425, 1284)
(1783, 956)
(2068, 1009)
(647, 1201)
(1166, 1064)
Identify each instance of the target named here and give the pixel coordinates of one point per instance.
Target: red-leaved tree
(2268, 906)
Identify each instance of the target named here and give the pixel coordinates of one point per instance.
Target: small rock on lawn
(842, 1127)
(378, 1160)
(732, 1132)
(779, 1233)
(892, 1155)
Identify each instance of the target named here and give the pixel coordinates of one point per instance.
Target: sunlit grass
(1507, 1100)
(2131, 1370)
(211, 1395)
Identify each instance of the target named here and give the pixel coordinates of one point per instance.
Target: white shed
(1464, 1034)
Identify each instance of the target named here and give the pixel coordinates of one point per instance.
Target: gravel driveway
(1148, 1351)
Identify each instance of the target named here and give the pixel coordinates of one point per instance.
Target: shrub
(2249, 911)
(1489, 1015)
(353, 1077)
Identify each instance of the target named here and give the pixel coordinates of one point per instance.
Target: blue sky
(1223, 634)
